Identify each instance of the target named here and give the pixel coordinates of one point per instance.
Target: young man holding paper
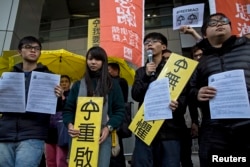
(164, 151)
(22, 135)
(222, 138)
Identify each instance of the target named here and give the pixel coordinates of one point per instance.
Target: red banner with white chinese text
(238, 11)
(122, 29)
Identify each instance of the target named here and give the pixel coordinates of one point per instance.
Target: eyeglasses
(29, 47)
(223, 21)
(151, 41)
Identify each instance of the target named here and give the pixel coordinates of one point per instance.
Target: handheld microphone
(150, 59)
(150, 56)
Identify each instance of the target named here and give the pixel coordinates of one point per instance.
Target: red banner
(238, 11)
(122, 29)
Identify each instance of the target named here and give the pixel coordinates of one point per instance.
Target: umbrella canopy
(13, 60)
(5, 60)
(9, 53)
(64, 62)
(125, 70)
(4, 65)
(59, 61)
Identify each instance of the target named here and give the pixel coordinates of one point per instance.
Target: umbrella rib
(49, 62)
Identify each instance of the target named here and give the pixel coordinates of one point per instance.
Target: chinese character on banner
(238, 11)
(93, 32)
(85, 148)
(121, 29)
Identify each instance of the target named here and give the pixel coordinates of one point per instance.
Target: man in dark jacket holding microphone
(165, 148)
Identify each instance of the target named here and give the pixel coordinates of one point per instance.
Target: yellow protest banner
(178, 69)
(93, 32)
(85, 148)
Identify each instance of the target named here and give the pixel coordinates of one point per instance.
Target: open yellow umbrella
(64, 62)
(59, 61)
(125, 70)
(5, 60)
(14, 60)
(9, 53)
(4, 65)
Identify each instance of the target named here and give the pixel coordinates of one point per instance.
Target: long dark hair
(104, 82)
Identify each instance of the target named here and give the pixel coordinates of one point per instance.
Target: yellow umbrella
(4, 65)
(64, 62)
(4, 60)
(14, 60)
(9, 53)
(59, 61)
(125, 70)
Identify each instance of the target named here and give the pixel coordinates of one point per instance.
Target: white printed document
(157, 100)
(12, 92)
(231, 100)
(41, 95)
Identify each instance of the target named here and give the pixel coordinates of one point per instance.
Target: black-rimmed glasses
(29, 47)
(151, 41)
(223, 21)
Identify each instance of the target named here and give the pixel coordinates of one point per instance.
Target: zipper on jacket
(221, 63)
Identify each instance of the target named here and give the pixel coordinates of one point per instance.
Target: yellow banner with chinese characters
(85, 148)
(178, 69)
(93, 32)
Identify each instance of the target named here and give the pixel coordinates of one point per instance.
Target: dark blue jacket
(21, 126)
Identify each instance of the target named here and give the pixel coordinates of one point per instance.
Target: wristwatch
(110, 128)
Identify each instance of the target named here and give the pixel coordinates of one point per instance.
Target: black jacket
(21, 126)
(124, 86)
(172, 128)
(234, 54)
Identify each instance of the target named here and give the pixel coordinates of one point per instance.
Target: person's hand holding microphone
(150, 66)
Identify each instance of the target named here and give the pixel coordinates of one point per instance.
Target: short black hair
(28, 40)
(206, 21)
(193, 50)
(115, 66)
(156, 35)
(66, 76)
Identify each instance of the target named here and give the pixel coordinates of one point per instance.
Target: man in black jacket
(221, 52)
(22, 135)
(114, 71)
(164, 150)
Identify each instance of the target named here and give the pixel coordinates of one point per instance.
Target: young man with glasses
(222, 52)
(22, 135)
(164, 150)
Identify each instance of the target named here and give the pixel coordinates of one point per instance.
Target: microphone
(150, 56)
(150, 59)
